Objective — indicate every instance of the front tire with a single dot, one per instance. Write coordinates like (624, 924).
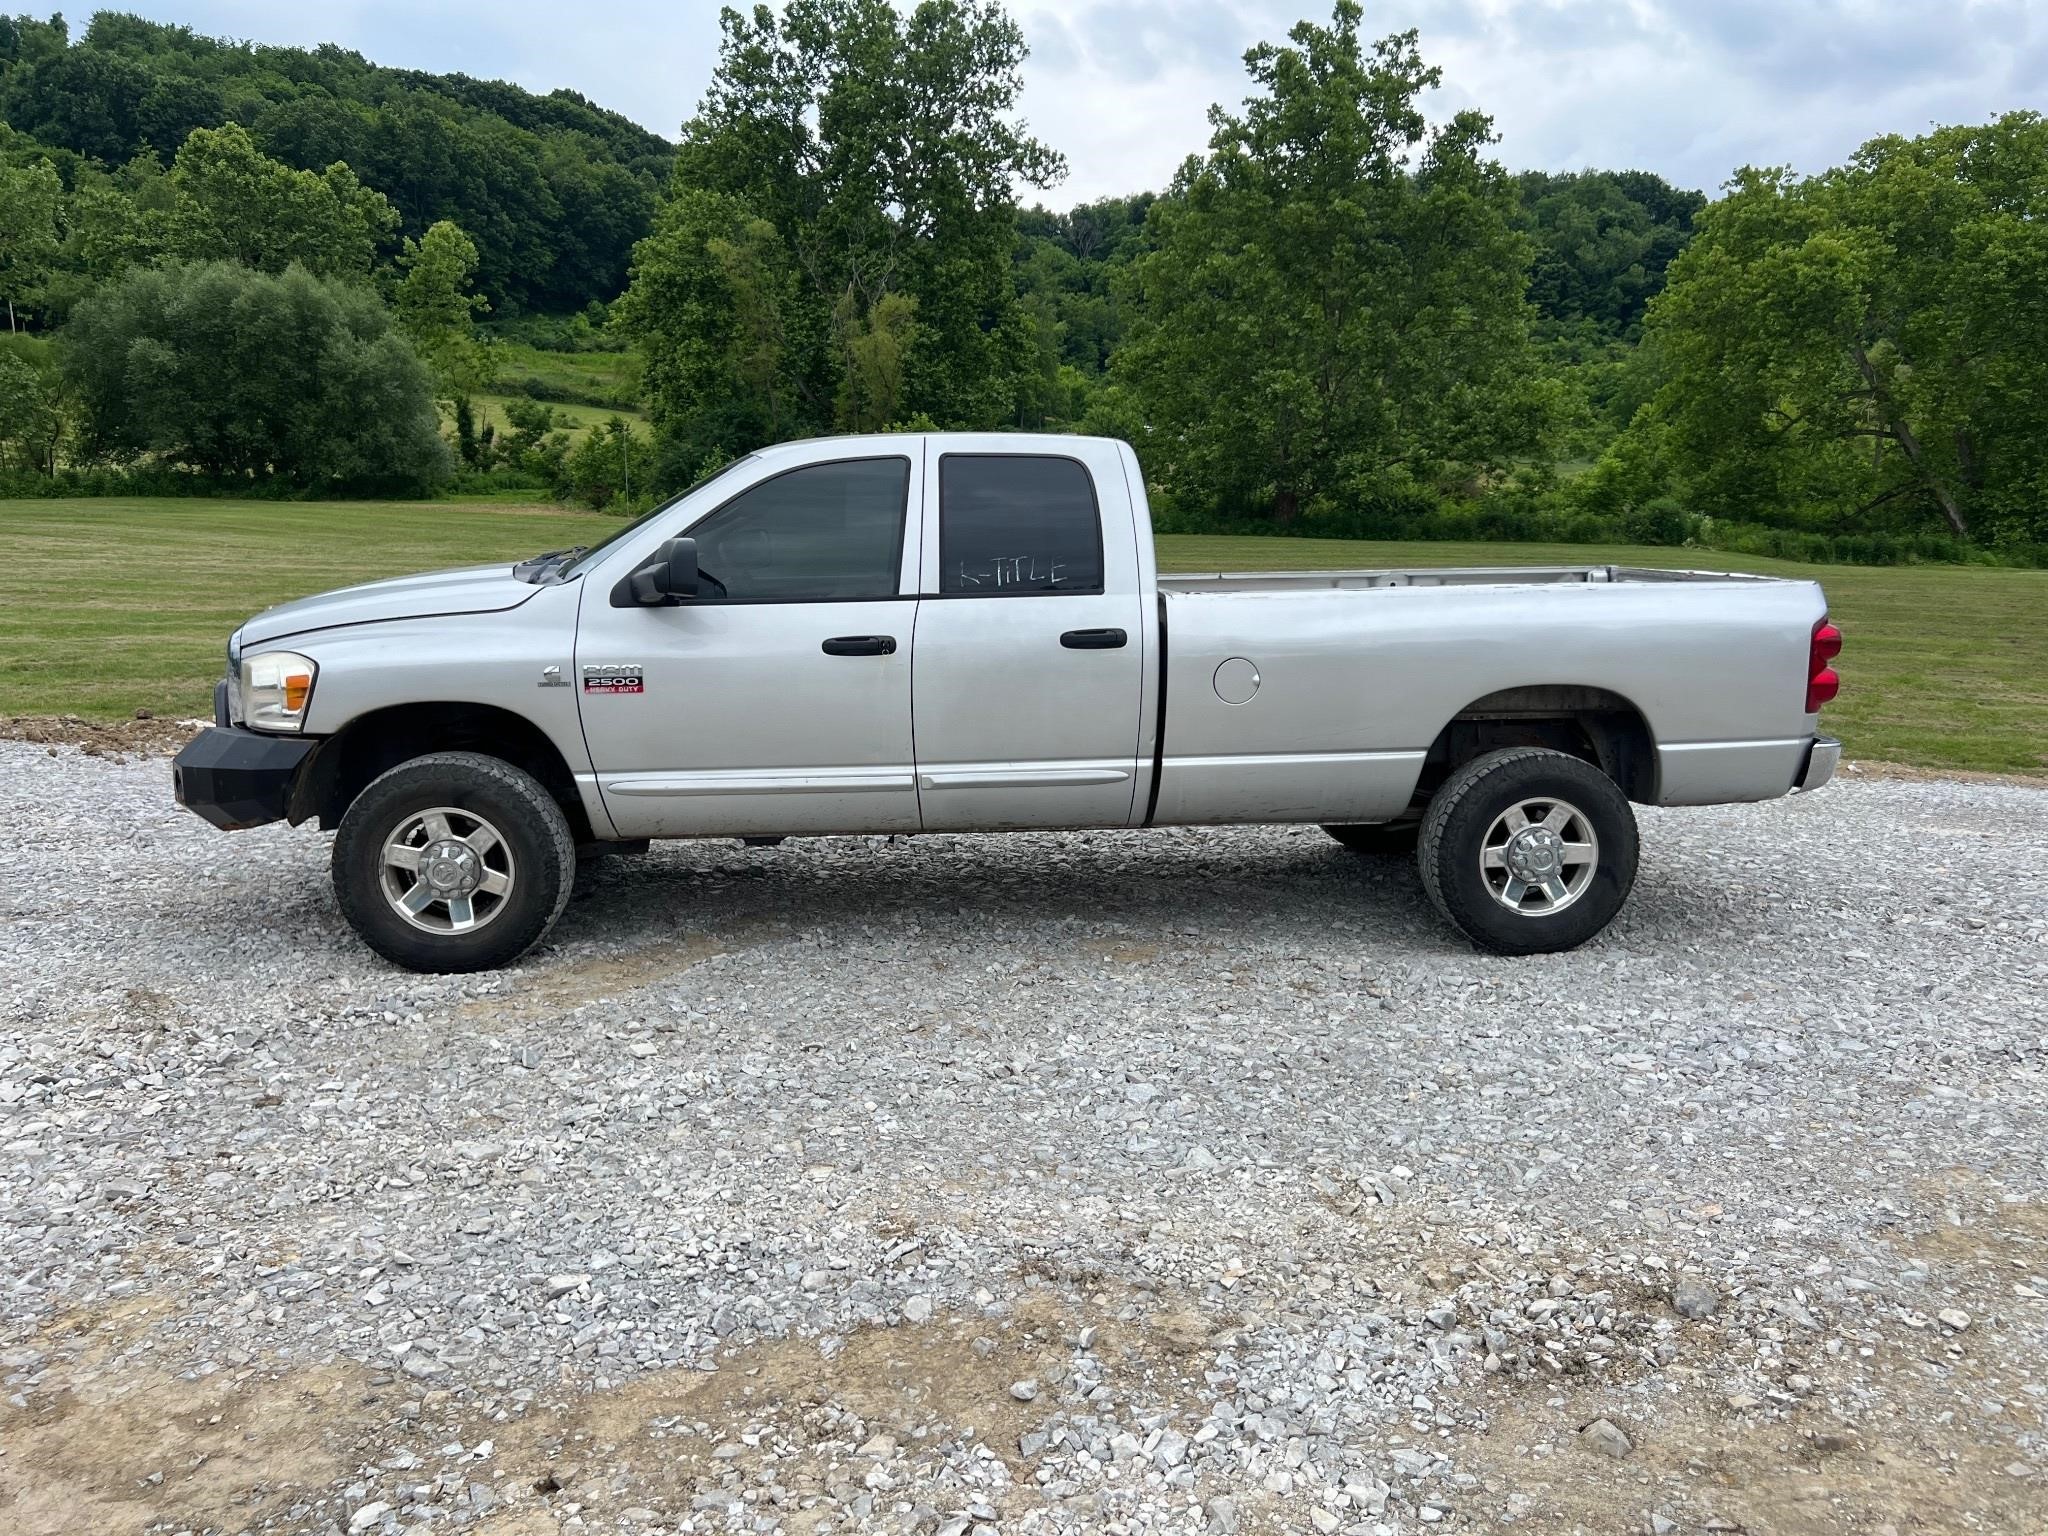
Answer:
(453, 862)
(1528, 851)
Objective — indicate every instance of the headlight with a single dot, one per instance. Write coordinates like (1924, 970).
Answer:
(276, 688)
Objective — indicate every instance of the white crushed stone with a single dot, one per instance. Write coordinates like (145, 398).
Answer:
(1240, 1077)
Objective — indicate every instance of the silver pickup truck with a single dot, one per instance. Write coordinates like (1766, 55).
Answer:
(967, 633)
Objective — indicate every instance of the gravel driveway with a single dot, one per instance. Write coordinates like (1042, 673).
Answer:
(1183, 1181)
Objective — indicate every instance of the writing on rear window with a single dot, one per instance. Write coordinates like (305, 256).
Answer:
(1006, 572)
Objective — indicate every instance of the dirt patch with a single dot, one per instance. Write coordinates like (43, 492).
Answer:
(146, 1448)
(555, 986)
(147, 736)
(1925, 1430)
(109, 1447)
(1120, 952)
(1978, 1231)
(1703, 1464)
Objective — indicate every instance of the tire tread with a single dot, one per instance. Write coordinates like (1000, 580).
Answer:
(1472, 778)
(549, 821)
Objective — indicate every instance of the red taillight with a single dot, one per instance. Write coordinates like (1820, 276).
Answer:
(1822, 682)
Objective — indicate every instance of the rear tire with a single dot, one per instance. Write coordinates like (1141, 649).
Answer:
(453, 862)
(1386, 839)
(1528, 851)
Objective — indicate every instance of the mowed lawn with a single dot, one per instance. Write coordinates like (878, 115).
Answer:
(107, 606)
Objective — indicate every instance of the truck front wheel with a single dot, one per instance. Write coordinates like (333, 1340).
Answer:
(1528, 851)
(453, 862)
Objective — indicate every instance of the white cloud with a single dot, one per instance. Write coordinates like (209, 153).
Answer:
(1688, 88)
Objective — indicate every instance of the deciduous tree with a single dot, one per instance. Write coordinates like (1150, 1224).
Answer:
(1869, 343)
(32, 414)
(1334, 309)
(29, 197)
(436, 308)
(236, 203)
(855, 167)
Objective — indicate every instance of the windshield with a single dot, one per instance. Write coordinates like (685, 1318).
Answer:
(597, 550)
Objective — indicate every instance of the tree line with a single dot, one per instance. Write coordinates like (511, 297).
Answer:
(553, 190)
(1339, 317)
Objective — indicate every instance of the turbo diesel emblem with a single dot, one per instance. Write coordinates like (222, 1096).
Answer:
(613, 677)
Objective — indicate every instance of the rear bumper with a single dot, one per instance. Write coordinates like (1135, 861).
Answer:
(238, 779)
(1821, 760)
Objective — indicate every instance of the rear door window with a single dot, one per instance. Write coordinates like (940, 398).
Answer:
(1017, 525)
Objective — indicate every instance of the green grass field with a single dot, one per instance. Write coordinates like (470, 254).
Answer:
(591, 376)
(108, 606)
(569, 417)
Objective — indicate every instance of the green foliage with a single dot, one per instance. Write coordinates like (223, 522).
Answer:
(553, 190)
(877, 348)
(1603, 242)
(837, 239)
(1319, 322)
(534, 446)
(235, 203)
(611, 467)
(29, 196)
(713, 301)
(1336, 318)
(33, 415)
(1869, 343)
(436, 309)
(1066, 266)
(229, 371)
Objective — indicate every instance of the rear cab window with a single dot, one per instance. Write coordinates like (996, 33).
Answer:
(1017, 525)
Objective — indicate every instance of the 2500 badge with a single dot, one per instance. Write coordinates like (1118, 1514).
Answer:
(612, 677)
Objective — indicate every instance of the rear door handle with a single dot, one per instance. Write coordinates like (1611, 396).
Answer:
(861, 645)
(1094, 639)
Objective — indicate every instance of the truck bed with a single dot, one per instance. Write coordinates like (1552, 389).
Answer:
(1437, 576)
(1316, 695)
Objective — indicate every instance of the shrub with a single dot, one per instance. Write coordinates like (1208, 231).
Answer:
(611, 465)
(232, 372)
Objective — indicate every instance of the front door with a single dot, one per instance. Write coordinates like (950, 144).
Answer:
(778, 700)
(1030, 650)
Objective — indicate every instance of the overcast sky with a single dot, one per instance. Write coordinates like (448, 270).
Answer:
(1688, 88)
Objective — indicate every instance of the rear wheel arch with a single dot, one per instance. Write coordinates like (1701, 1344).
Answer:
(349, 761)
(1597, 725)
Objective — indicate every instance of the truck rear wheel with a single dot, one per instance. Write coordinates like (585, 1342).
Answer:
(1389, 839)
(453, 862)
(1528, 851)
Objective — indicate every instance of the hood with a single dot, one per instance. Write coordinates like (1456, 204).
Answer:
(473, 589)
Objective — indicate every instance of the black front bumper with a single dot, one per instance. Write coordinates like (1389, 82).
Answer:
(238, 779)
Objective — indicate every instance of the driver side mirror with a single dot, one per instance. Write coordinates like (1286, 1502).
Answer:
(670, 577)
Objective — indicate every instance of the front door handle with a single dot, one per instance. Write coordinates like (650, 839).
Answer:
(861, 645)
(1094, 639)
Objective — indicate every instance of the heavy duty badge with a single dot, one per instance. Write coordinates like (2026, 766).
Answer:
(613, 677)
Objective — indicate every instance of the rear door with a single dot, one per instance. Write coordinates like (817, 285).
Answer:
(1029, 660)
